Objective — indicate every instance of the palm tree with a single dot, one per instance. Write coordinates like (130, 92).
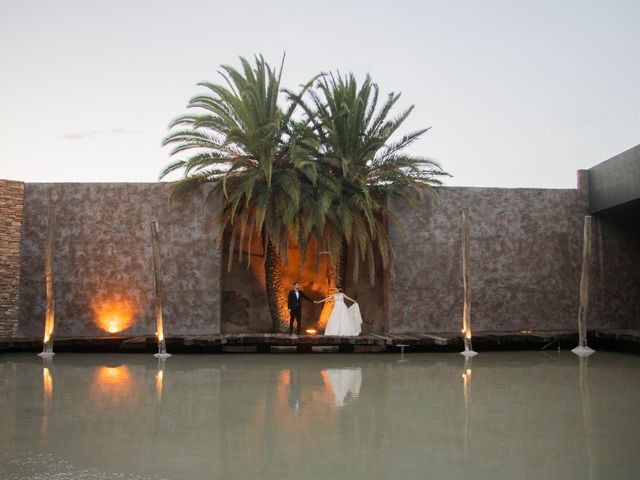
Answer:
(243, 147)
(359, 164)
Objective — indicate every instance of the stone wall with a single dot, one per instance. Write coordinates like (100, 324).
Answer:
(103, 268)
(11, 205)
(526, 254)
(526, 247)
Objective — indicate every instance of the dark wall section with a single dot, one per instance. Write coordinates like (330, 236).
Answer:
(617, 287)
(526, 247)
(103, 266)
(614, 191)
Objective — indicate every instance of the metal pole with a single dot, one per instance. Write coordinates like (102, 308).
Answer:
(49, 318)
(466, 311)
(162, 348)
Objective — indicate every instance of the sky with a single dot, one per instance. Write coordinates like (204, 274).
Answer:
(517, 93)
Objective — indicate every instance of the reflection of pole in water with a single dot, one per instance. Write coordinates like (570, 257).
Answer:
(586, 411)
(159, 378)
(159, 386)
(466, 385)
(47, 389)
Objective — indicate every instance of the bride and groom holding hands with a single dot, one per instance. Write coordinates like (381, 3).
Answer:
(344, 321)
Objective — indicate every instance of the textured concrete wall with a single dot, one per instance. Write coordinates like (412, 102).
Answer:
(526, 247)
(103, 266)
(11, 203)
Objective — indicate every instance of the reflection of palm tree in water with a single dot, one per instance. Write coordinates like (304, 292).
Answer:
(294, 390)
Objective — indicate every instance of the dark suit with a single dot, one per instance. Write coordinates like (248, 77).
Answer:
(295, 308)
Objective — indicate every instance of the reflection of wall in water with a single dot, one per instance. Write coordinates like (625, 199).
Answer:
(235, 415)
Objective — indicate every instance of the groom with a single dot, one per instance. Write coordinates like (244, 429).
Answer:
(295, 306)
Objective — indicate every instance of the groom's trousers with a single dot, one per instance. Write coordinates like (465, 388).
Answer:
(295, 314)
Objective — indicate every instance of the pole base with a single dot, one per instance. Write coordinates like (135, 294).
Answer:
(583, 351)
(469, 353)
(162, 355)
(46, 354)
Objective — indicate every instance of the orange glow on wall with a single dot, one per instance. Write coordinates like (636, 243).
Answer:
(114, 314)
(315, 283)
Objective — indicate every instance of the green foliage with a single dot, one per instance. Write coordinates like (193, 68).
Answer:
(359, 165)
(318, 170)
(241, 144)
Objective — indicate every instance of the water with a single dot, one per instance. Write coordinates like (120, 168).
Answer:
(505, 415)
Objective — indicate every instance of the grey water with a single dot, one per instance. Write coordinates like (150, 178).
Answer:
(503, 415)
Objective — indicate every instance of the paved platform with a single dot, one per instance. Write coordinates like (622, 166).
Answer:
(628, 340)
(623, 340)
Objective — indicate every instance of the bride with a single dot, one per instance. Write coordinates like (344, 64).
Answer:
(343, 321)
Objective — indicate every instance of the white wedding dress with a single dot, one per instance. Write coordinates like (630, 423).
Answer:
(343, 321)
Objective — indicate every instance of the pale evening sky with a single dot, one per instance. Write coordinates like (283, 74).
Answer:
(518, 93)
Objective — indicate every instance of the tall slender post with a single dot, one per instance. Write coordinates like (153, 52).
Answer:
(162, 348)
(49, 317)
(582, 349)
(466, 312)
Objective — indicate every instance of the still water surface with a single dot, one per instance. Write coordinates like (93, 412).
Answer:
(520, 415)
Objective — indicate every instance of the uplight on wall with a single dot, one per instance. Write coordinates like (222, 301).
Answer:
(114, 314)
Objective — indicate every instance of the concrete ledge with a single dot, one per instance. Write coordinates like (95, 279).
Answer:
(620, 340)
(624, 340)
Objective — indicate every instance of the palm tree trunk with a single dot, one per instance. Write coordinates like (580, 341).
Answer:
(273, 284)
(341, 267)
(336, 277)
(338, 273)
